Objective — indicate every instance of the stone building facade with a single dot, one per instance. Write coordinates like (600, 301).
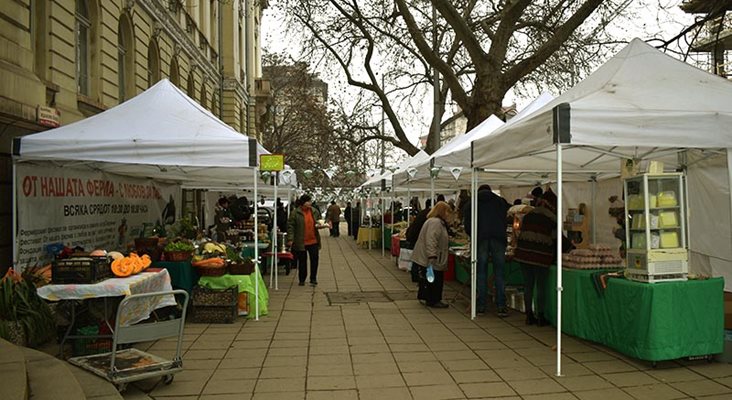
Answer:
(64, 60)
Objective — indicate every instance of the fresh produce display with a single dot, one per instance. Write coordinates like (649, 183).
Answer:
(115, 255)
(130, 265)
(213, 262)
(597, 256)
(179, 246)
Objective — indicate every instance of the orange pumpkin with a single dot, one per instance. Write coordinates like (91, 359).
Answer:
(122, 267)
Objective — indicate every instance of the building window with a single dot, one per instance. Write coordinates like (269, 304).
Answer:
(39, 29)
(191, 86)
(153, 63)
(203, 95)
(125, 59)
(215, 105)
(174, 72)
(83, 47)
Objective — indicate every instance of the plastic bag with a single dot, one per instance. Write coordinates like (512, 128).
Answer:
(430, 274)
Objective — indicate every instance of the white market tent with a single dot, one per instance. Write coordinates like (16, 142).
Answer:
(161, 134)
(640, 105)
(456, 154)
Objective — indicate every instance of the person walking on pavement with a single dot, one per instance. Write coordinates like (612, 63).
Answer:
(347, 216)
(304, 239)
(356, 220)
(492, 210)
(431, 250)
(333, 214)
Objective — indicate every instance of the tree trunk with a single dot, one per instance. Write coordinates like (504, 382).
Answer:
(487, 99)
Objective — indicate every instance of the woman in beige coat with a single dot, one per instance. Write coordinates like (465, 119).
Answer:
(431, 249)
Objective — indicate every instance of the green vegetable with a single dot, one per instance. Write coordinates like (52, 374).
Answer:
(179, 246)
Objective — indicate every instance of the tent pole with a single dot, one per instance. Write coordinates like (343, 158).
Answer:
(275, 249)
(409, 204)
(593, 211)
(256, 247)
(383, 245)
(371, 217)
(15, 217)
(729, 173)
(393, 219)
(432, 190)
(473, 239)
(559, 258)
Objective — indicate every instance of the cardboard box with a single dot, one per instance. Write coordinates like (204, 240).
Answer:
(727, 310)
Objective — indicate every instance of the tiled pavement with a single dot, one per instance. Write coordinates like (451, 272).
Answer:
(308, 349)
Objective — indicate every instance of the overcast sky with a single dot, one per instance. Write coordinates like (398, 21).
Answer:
(657, 18)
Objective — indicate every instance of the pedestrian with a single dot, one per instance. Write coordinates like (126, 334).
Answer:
(491, 220)
(281, 216)
(347, 216)
(431, 250)
(333, 215)
(356, 220)
(304, 239)
(536, 252)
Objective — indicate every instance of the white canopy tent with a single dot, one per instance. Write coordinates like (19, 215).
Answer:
(161, 134)
(640, 105)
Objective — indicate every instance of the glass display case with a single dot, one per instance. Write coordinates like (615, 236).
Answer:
(655, 227)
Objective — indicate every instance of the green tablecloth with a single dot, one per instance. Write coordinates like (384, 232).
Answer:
(245, 283)
(654, 322)
(182, 274)
(386, 239)
(512, 273)
(248, 250)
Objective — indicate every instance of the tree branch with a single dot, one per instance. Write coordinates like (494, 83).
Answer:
(499, 46)
(458, 93)
(462, 31)
(552, 44)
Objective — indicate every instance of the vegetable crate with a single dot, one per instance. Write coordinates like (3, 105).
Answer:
(212, 306)
(81, 270)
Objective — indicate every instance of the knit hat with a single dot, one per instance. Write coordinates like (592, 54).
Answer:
(549, 200)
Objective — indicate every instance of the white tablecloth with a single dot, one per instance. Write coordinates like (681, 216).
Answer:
(144, 282)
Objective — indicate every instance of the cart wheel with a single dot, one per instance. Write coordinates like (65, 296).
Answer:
(168, 379)
(121, 387)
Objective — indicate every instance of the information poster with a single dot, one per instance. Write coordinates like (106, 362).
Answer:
(93, 210)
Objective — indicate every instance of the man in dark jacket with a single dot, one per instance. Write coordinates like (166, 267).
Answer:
(413, 233)
(347, 216)
(492, 210)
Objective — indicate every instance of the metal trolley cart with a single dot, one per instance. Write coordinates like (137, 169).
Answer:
(130, 364)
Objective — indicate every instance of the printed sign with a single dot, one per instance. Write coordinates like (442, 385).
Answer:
(93, 210)
(271, 162)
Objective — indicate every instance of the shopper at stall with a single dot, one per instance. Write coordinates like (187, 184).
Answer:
(431, 250)
(536, 251)
(413, 233)
(333, 215)
(223, 219)
(304, 240)
(491, 239)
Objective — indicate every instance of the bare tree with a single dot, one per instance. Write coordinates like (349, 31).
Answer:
(484, 49)
(299, 124)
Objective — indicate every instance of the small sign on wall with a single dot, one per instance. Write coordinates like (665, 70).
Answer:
(48, 116)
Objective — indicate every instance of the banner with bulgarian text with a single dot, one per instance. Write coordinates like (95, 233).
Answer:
(84, 208)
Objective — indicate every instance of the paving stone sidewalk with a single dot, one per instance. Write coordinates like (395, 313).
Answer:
(381, 344)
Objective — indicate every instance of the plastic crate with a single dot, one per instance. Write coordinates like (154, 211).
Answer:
(81, 270)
